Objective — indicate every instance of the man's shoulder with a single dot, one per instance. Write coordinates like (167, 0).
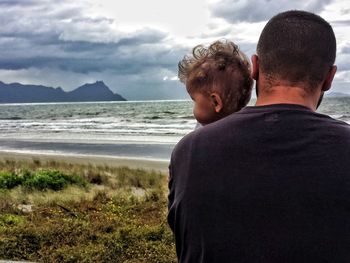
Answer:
(334, 125)
(204, 135)
(186, 142)
(212, 129)
(252, 119)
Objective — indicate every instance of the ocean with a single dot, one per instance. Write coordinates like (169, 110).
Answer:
(135, 129)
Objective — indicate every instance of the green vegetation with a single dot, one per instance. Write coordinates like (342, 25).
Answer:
(59, 212)
(39, 180)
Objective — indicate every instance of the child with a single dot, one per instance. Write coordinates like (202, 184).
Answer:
(218, 80)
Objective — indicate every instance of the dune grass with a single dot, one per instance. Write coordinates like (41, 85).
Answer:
(61, 212)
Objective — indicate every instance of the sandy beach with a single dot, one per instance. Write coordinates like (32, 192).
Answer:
(158, 165)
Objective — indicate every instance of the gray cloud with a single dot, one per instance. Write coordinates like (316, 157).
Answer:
(345, 22)
(58, 44)
(58, 37)
(342, 62)
(261, 10)
(18, 2)
(346, 49)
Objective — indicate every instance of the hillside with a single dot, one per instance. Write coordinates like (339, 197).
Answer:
(19, 93)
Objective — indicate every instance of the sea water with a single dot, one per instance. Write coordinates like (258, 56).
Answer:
(140, 129)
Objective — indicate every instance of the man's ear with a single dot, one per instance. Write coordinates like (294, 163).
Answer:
(329, 78)
(216, 102)
(255, 67)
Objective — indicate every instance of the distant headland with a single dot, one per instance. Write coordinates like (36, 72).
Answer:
(20, 93)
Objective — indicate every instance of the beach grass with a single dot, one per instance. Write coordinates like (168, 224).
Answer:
(60, 212)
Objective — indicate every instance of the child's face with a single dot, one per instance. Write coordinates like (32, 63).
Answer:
(204, 110)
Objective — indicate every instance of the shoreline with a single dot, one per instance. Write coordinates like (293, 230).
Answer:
(136, 163)
(121, 151)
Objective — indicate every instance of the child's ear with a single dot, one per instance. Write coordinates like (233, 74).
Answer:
(216, 102)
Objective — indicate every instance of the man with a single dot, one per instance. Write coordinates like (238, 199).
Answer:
(270, 183)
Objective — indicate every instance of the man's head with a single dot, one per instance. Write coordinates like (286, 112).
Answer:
(296, 49)
(217, 79)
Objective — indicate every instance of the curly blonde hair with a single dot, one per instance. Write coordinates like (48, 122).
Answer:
(220, 68)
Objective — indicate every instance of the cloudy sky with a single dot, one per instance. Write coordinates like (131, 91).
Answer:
(134, 45)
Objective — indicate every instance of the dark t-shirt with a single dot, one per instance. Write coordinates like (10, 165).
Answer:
(267, 184)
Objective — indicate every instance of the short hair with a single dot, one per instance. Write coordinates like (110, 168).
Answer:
(297, 47)
(220, 68)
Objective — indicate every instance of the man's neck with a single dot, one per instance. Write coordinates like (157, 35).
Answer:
(287, 95)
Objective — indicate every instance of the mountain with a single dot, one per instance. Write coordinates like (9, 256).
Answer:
(336, 95)
(90, 92)
(18, 93)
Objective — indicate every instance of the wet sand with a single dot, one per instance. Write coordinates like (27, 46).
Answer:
(148, 164)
